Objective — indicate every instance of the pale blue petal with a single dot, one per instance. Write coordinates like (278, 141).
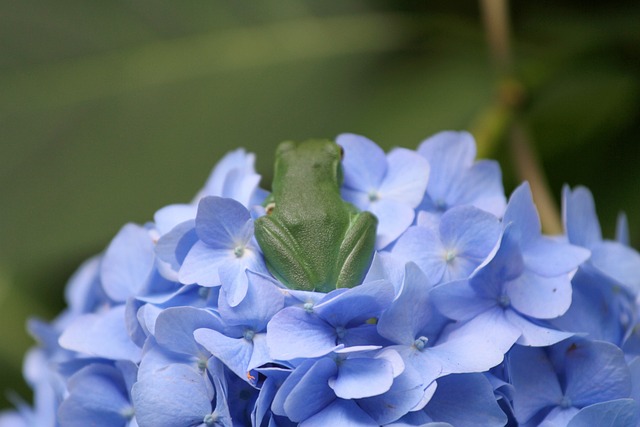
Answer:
(580, 218)
(202, 264)
(263, 300)
(470, 232)
(128, 262)
(260, 355)
(294, 333)
(462, 400)
(364, 163)
(355, 372)
(449, 154)
(616, 413)
(619, 262)
(532, 334)
(540, 297)
(548, 257)
(424, 247)
(406, 178)
(622, 229)
(393, 219)
(481, 186)
(175, 325)
(103, 335)
(174, 246)
(235, 353)
(174, 396)
(535, 381)
(223, 223)
(358, 198)
(410, 312)
(170, 216)
(459, 301)
(341, 413)
(522, 215)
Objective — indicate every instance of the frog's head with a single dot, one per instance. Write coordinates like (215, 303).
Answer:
(317, 159)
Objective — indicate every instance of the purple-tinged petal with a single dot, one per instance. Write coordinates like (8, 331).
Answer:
(580, 218)
(311, 393)
(353, 373)
(540, 297)
(127, 263)
(522, 215)
(462, 400)
(535, 381)
(595, 371)
(615, 413)
(341, 413)
(406, 178)
(223, 223)
(364, 163)
(104, 335)
(294, 333)
(393, 219)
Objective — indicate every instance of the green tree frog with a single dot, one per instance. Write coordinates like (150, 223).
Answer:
(311, 238)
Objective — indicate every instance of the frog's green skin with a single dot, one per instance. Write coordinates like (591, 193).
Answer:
(312, 239)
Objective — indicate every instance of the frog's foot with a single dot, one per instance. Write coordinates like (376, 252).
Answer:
(356, 252)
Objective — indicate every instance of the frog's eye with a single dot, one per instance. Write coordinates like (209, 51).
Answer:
(341, 152)
(269, 208)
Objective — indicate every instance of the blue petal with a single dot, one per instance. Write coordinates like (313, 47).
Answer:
(174, 396)
(459, 301)
(540, 297)
(341, 413)
(174, 246)
(535, 381)
(580, 218)
(223, 223)
(104, 335)
(522, 215)
(410, 312)
(175, 326)
(97, 397)
(619, 262)
(311, 394)
(234, 353)
(202, 264)
(533, 334)
(393, 219)
(449, 154)
(462, 400)
(364, 163)
(596, 371)
(170, 216)
(622, 229)
(424, 247)
(481, 186)
(616, 413)
(406, 177)
(127, 263)
(294, 333)
(355, 372)
(548, 257)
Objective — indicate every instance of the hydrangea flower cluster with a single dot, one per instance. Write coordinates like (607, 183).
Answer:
(467, 316)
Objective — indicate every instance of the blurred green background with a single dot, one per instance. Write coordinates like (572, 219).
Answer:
(110, 110)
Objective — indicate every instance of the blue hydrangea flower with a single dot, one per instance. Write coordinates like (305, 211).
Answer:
(455, 179)
(390, 186)
(225, 249)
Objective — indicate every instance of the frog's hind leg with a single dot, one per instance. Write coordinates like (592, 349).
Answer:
(356, 252)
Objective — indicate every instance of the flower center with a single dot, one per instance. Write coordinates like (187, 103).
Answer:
(238, 251)
(450, 255)
(308, 307)
(421, 343)
(249, 334)
(565, 402)
(373, 196)
(210, 419)
(341, 331)
(504, 301)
